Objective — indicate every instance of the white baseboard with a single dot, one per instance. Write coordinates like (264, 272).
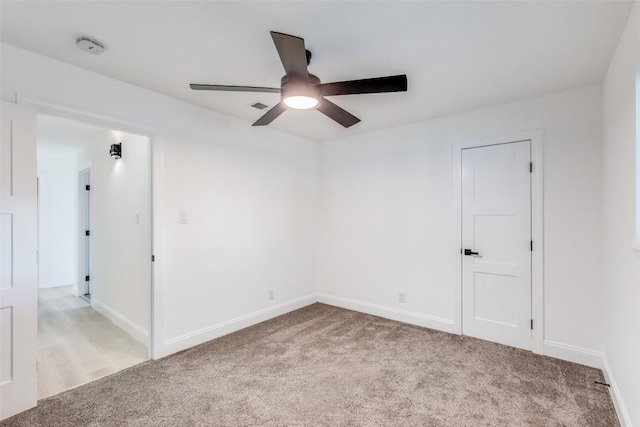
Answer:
(618, 403)
(573, 354)
(54, 285)
(136, 331)
(173, 345)
(405, 316)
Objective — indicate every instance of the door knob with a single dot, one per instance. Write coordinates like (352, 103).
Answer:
(469, 252)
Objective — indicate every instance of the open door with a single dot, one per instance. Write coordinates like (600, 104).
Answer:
(18, 260)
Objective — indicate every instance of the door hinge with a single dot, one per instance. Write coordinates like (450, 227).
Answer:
(532, 324)
(532, 246)
(87, 233)
(530, 167)
(87, 187)
(153, 258)
(86, 278)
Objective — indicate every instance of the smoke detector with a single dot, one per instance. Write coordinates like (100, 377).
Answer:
(90, 45)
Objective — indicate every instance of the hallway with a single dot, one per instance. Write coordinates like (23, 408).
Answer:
(76, 344)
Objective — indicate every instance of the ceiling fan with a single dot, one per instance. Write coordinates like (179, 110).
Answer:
(301, 90)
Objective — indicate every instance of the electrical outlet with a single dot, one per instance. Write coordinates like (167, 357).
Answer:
(272, 295)
(402, 297)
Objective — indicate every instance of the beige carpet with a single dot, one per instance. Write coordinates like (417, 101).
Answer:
(325, 366)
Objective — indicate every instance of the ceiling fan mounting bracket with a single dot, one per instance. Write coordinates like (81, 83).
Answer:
(287, 79)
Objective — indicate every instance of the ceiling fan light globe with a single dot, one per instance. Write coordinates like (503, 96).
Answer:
(301, 102)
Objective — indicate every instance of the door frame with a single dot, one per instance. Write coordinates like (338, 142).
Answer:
(41, 190)
(59, 109)
(84, 210)
(537, 228)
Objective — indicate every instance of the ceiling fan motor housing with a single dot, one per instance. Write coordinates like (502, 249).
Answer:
(299, 86)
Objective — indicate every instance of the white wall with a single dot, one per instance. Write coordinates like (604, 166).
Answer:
(386, 216)
(385, 213)
(57, 216)
(621, 284)
(250, 194)
(120, 244)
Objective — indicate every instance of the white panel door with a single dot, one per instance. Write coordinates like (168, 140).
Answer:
(496, 242)
(18, 263)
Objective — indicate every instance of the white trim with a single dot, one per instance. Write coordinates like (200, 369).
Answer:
(537, 235)
(81, 215)
(80, 242)
(157, 349)
(405, 316)
(182, 342)
(41, 191)
(574, 354)
(457, 227)
(616, 397)
(537, 228)
(58, 109)
(85, 166)
(130, 327)
(636, 243)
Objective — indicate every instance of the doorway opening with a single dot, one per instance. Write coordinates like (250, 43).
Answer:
(94, 245)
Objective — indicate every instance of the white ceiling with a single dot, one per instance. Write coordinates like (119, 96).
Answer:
(59, 133)
(457, 55)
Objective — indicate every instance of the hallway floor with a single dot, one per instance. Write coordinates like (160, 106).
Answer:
(76, 344)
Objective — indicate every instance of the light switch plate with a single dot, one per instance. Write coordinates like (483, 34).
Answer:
(402, 297)
(184, 219)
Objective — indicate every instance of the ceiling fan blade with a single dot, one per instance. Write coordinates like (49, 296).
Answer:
(271, 115)
(196, 86)
(336, 113)
(374, 85)
(292, 54)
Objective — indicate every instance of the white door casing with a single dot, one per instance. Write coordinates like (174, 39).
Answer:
(158, 346)
(18, 263)
(84, 224)
(496, 223)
